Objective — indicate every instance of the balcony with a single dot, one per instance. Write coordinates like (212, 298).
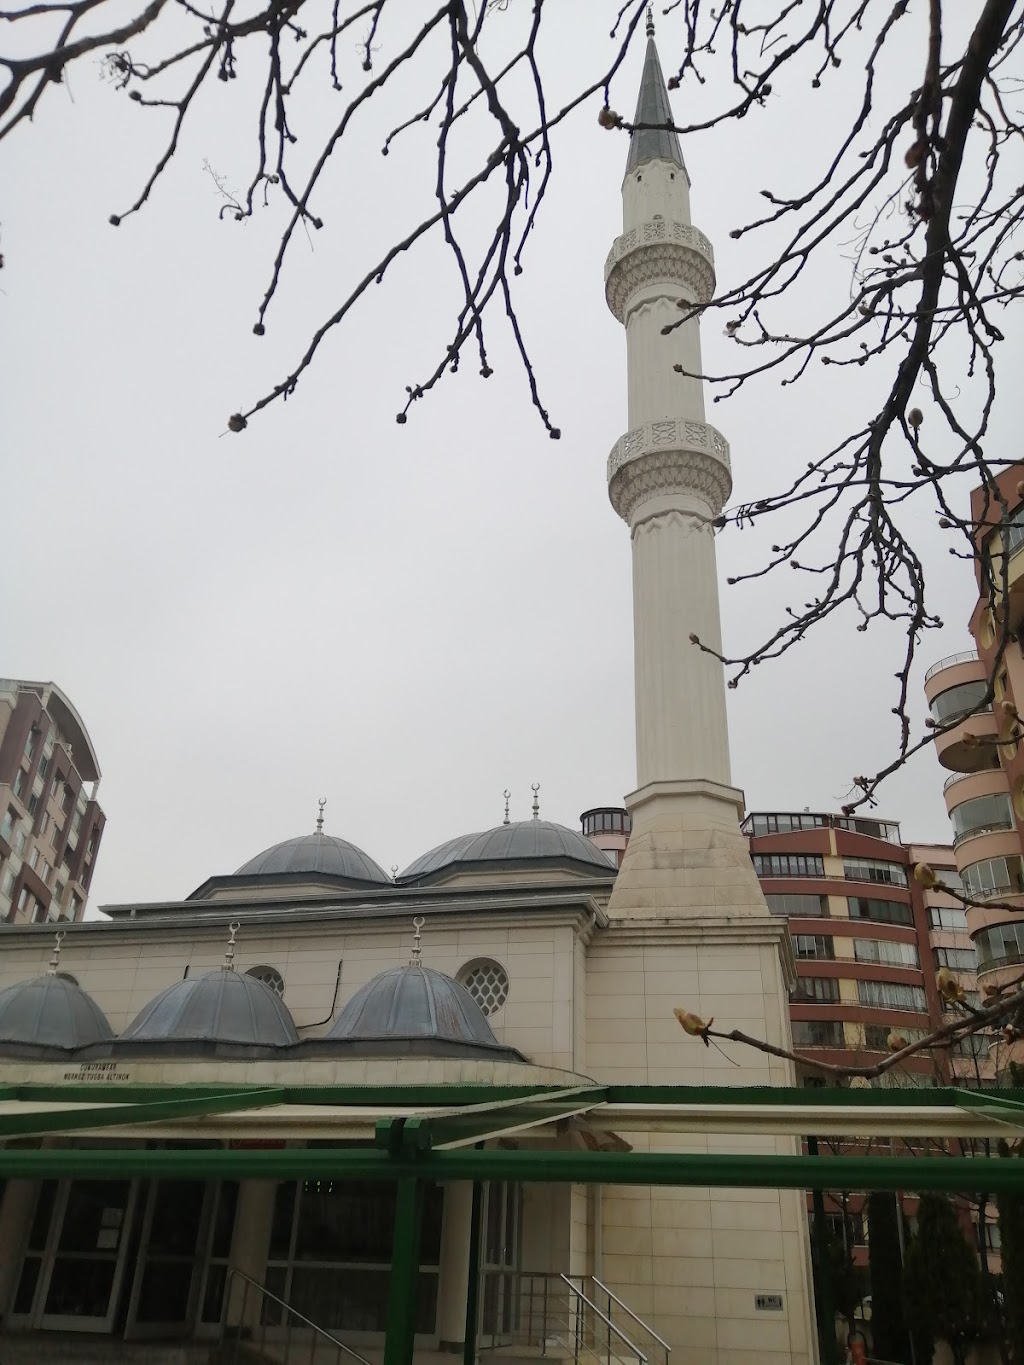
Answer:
(964, 657)
(961, 787)
(954, 748)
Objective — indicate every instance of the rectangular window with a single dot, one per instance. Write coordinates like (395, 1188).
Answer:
(33, 804)
(33, 860)
(871, 870)
(39, 915)
(818, 1033)
(23, 898)
(876, 1036)
(788, 865)
(890, 995)
(950, 878)
(76, 905)
(47, 872)
(943, 918)
(19, 782)
(20, 840)
(957, 959)
(818, 946)
(782, 824)
(882, 912)
(815, 990)
(974, 1045)
(994, 877)
(7, 885)
(54, 835)
(797, 906)
(847, 1229)
(883, 950)
(58, 892)
(8, 823)
(1000, 945)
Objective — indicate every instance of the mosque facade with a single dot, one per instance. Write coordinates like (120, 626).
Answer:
(521, 959)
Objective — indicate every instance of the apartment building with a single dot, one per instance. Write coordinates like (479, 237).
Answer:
(51, 823)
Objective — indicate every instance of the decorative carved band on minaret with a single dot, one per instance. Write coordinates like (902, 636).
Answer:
(686, 457)
(659, 250)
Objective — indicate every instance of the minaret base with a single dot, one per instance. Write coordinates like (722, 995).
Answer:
(687, 859)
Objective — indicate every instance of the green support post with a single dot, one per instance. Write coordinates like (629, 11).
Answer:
(473, 1283)
(822, 1287)
(405, 1273)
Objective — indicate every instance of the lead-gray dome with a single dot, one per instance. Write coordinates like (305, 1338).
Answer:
(50, 1013)
(415, 1010)
(522, 840)
(309, 853)
(224, 1008)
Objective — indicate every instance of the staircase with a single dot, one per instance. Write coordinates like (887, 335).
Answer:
(563, 1317)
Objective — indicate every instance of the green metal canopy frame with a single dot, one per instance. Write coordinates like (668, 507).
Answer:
(446, 1142)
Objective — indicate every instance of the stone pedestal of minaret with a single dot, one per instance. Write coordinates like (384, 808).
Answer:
(689, 925)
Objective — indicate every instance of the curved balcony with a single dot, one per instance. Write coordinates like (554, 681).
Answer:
(977, 846)
(981, 917)
(965, 656)
(955, 751)
(961, 787)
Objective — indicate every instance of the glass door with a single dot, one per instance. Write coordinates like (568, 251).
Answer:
(171, 1255)
(82, 1268)
(500, 1259)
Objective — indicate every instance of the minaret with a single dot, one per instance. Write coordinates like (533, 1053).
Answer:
(687, 923)
(669, 478)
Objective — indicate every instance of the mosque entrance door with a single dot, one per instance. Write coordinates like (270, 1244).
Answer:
(82, 1234)
(171, 1257)
(502, 1219)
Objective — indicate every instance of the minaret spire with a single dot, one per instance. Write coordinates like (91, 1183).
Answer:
(653, 138)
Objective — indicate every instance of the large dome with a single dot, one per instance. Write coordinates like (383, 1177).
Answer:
(223, 1008)
(49, 1012)
(315, 853)
(520, 841)
(415, 1010)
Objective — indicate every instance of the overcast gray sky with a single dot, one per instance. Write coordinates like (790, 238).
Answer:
(405, 620)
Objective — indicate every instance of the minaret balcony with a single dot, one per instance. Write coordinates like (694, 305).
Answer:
(667, 456)
(659, 250)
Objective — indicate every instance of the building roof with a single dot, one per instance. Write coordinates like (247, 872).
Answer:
(220, 1008)
(50, 1012)
(521, 840)
(414, 1009)
(322, 853)
(652, 107)
(68, 721)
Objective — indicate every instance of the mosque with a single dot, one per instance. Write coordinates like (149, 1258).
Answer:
(316, 1111)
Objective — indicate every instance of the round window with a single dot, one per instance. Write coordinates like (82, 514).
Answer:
(270, 976)
(487, 983)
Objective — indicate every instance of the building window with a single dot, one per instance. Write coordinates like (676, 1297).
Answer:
(949, 877)
(797, 906)
(487, 983)
(31, 740)
(782, 824)
(8, 824)
(809, 946)
(876, 1036)
(891, 995)
(19, 782)
(818, 1033)
(881, 912)
(23, 898)
(39, 914)
(788, 865)
(58, 892)
(7, 885)
(974, 1045)
(815, 990)
(947, 918)
(20, 840)
(874, 829)
(328, 1232)
(957, 959)
(994, 877)
(871, 870)
(999, 945)
(270, 976)
(980, 815)
(54, 835)
(962, 700)
(76, 905)
(885, 951)
(847, 1228)
(33, 859)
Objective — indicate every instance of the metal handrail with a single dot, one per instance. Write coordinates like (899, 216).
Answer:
(234, 1273)
(627, 1310)
(606, 1320)
(959, 839)
(965, 656)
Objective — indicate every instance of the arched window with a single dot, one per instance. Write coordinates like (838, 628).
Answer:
(487, 983)
(270, 976)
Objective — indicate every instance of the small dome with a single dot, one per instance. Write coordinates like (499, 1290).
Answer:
(415, 1010)
(523, 840)
(221, 1008)
(50, 1012)
(322, 853)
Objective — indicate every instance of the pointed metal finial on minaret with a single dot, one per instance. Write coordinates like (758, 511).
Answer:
(650, 21)
(320, 818)
(417, 925)
(535, 788)
(55, 956)
(507, 795)
(229, 951)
